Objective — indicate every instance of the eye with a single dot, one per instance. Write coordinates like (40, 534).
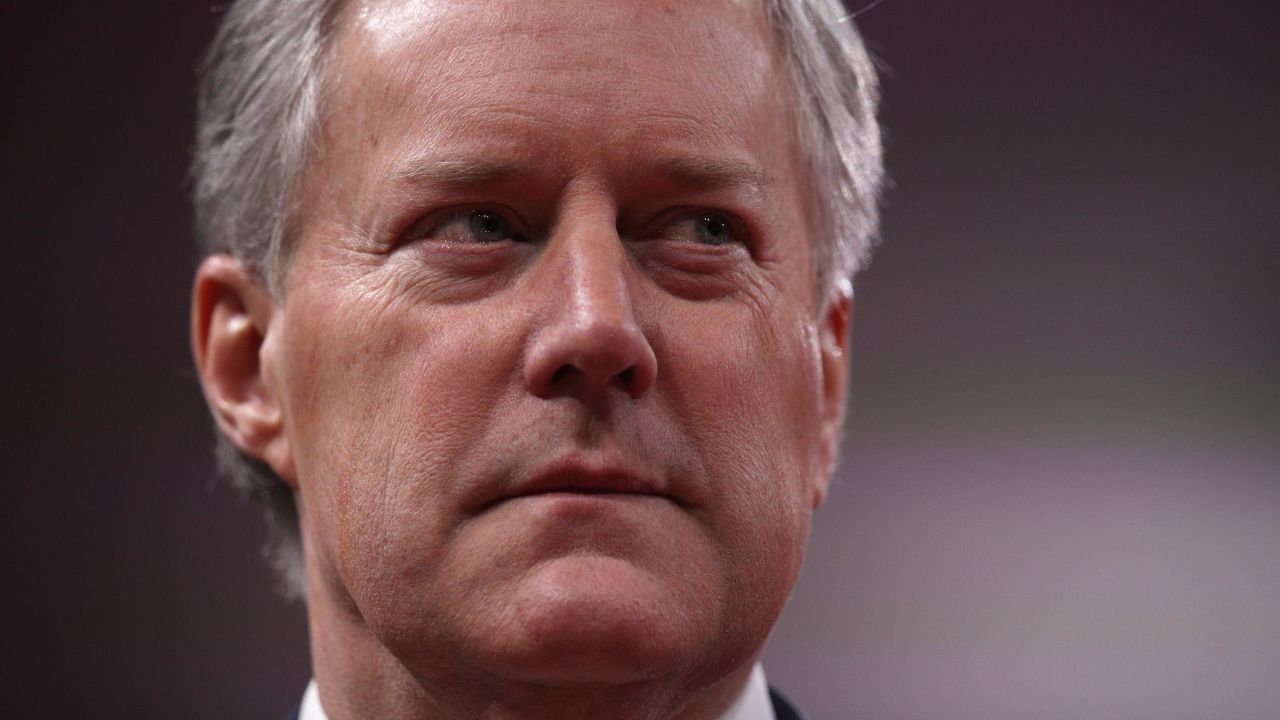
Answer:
(704, 228)
(481, 225)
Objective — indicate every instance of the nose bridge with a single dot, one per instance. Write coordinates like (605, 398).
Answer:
(596, 275)
(589, 339)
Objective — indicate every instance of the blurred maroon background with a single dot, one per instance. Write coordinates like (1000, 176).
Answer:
(1061, 489)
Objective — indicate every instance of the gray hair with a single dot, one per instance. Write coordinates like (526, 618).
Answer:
(258, 108)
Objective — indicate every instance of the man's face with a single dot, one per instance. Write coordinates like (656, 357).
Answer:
(552, 379)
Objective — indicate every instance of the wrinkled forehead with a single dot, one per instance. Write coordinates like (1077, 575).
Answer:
(636, 56)
(405, 77)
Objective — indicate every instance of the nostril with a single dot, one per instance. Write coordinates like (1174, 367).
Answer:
(558, 376)
(627, 377)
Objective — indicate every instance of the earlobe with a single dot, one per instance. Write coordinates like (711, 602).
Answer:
(232, 316)
(833, 339)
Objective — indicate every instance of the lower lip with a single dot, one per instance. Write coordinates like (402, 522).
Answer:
(569, 500)
(566, 494)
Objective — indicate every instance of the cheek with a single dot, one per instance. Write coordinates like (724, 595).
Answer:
(746, 387)
(746, 381)
(385, 400)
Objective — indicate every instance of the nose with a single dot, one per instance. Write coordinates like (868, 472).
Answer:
(588, 343)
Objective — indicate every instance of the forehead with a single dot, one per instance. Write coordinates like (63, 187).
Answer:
(613, 76)
(629, 37)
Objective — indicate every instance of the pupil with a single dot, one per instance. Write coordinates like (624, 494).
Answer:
(714, 230)
(489, 227)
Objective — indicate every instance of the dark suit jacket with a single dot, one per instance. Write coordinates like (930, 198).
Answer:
(782, 707)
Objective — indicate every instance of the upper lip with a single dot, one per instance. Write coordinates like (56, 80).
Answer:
(580, 475)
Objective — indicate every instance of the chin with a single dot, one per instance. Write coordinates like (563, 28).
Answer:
(600, 620)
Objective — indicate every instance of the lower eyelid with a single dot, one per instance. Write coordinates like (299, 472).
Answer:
(693, 257)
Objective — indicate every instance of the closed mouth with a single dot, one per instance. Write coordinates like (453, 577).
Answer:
(582, 479)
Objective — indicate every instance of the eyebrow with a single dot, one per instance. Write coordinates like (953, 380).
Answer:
(457, 173)
(701, 173)
(710, 173)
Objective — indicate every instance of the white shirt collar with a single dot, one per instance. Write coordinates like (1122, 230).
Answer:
(311, 709)
(752, 704)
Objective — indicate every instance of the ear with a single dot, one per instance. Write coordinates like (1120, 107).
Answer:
(833, 343)
(232, 320)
